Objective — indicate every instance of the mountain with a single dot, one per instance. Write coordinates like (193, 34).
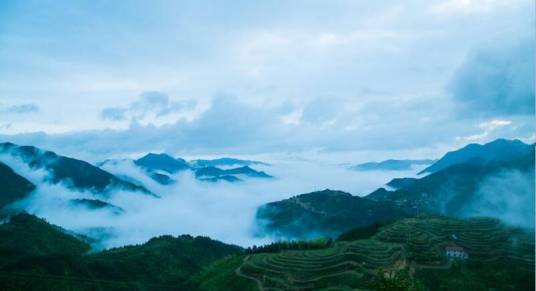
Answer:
(495, 151)
(12, 186)
(408, 254)
(162, 162)
(75, 173)
(399, 183)
(25, 235)
(96, 204)
(46, 257)
(390, 165)
(379, 194)
(214, 172)
(224, 162)
(226, 178)
(246, 170)
(321, 213)
(498, 188)
(162, 178)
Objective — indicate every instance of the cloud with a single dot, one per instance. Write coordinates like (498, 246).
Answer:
(508, 196)
(21, 109)
(496, 81)
(113, 113)
(184, 206)
(488, 128)
(371, 60)
(150, 105)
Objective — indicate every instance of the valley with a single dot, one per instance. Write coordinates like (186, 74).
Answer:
(321, 240)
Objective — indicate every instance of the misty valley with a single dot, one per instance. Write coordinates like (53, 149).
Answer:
(464, 221)
(302, 145)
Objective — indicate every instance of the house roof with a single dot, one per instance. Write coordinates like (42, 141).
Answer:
(454, 248)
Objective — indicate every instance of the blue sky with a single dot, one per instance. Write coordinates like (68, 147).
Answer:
(117, 77)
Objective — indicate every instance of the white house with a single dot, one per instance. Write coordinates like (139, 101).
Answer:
(456, 252)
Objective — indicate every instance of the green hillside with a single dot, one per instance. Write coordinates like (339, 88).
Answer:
(412, 246)
(35, 255)
(26, 236)
(12, 186)
(322, 213)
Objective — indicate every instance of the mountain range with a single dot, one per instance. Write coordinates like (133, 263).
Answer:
(499, 150)
(73, 173)
(465, 188)
(160, 166)
(404, 229)
(391, 165)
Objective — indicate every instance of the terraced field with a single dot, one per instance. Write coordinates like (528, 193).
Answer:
(345, 262)
(407, 244)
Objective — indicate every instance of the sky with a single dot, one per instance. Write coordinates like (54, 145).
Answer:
(98, 79)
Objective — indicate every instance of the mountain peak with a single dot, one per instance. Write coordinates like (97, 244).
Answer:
(498, 150)
(163, 162)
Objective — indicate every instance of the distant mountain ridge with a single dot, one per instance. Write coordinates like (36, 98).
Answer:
(212, 172)
(391, 165)
(76, 174)
(455, 191)
(160, 166)
(495, 151)
(224, 162)
(163, 162)
(460, 189)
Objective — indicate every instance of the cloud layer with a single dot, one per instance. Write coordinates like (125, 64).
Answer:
(183, 207)
(261, 77)
(497, 80)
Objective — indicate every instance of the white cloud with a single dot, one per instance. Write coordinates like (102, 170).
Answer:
(384, 66)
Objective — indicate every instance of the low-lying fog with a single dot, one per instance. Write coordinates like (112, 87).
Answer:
(223, 211)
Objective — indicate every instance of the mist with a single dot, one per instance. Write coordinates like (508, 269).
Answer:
(221, 210)
(508, 196)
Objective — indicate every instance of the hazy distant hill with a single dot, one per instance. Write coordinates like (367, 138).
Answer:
(319, 213)
(497, 187)
(12, 186)
(502, 187)
(163, 162)
(160, 166)
(75, 173)
(391, 165)
(495, 151)
(93, 204)
(230, 175)
(228, 162)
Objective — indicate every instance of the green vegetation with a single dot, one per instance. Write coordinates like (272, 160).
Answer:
(26, 236)
(408, 254)
(364, 232)
(322, 213)
(405, 255)
(37, 255)
(275, 247)
(12, 186)
(222, 276)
